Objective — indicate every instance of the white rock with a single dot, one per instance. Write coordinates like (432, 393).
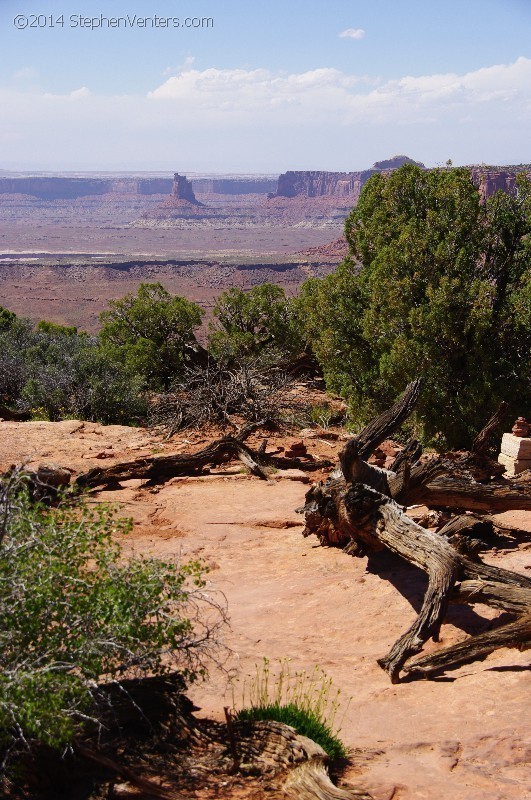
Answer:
(514, 466)
(516, 446)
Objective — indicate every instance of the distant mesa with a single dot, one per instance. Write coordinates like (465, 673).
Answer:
(305, 193)
(395, 162)
(182, 193)
(338, 185)
(235, 186)
(68, 188)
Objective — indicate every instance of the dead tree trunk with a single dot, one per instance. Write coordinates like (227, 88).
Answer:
(459, 492)
(13, 416)
(360, 512)
(159, 467)
(481, 442)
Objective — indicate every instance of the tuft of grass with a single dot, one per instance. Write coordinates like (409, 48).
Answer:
(305, 701)
(320, 414)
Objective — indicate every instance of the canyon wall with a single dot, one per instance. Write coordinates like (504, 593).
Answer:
(234, 185)
(334, 184)
(491, 181)
(348, 185)
(322, 184)
(344, 188)
(62, 188)
(66, 188)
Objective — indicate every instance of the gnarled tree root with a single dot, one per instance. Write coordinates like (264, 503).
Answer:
(358, 511)
(182, 755)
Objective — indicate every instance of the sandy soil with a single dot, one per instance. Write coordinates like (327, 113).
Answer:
(464, 735)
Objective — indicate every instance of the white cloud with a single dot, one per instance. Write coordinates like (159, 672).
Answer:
(352, 33)
(82, 92)
(185, 66)
(259, 120)
(236, 91)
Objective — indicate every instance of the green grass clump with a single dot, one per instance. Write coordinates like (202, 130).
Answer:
(306, 702)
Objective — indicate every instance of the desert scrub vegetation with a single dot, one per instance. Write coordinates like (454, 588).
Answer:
(437, 283)
(259, 322)
(305, 701)
(76, 613)
(149, 332)
(55, 372)
(221, 395)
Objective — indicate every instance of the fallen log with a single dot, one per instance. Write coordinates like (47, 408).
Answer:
(14, 416)
(455, 491)
(161, 467)
(358, 510)
(468, 524)
(515, 634)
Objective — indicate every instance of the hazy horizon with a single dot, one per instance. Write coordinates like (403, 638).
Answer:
(102, 173)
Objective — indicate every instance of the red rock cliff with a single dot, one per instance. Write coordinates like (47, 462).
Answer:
(182, 192)
(334, 184)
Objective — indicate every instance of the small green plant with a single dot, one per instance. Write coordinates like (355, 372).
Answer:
(320, 414)
(306, 701)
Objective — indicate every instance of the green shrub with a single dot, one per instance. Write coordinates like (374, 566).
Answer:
(320, 414)
(442, 291)
(259, 322)
(149, 332)
(306, 702)
(55, 372)
(74, 612)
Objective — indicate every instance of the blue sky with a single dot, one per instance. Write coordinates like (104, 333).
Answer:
(270, 86)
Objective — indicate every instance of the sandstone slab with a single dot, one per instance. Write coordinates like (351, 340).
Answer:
(514, 466)
(516, 446)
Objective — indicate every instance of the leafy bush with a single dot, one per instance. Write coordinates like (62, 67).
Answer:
(442, 291)
(74, 612)
(56, 372)
(149, 331)
(257, 322)
(306, 702)
(15, 338)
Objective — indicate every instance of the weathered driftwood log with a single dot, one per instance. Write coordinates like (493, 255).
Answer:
(451, 489)
(13, 416)
(161, 467)
(516, 634)
(358, 511)
(409, 455)
(467, 533)
(469, 524)
(481, 442)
